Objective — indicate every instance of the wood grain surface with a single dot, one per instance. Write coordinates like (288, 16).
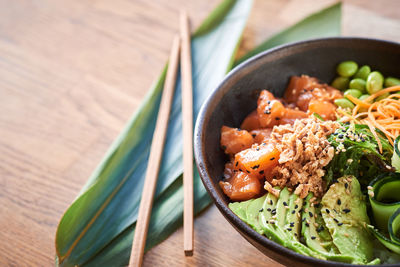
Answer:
(72, 73)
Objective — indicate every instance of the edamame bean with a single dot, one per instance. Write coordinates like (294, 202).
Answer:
(344, 103)
(391, 81)
(347, 68)
(354, 92)
(374, 82)
(358, 84)
(341, 83)
(363, 97)
(363, 72)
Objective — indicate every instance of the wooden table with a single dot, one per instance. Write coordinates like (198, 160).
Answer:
(72, 73)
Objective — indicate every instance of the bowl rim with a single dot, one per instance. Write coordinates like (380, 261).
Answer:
(199, 154)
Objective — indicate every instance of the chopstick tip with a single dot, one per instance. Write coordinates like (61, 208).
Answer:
(189, 253)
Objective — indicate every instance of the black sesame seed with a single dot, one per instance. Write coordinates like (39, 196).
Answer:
(340, 224)
(254, 135)
(327, 211)
(255, 167)
(307, 225)
(291, 224)
(277, 118)
(313, 237)
(319, 229)
(273, 212)
(340, 136)
(346, 185)
(261, 172)
(269, 209)
(285, 204)
(295, 234)
(317, 205)
(237, 163)
(267, 111)
(268, 102)
(346, 210)
(266, 222)
(240, 170)
(336, 221)
(310, 213)
(295, 207)
(263, 144)
(339, 201)
(270, 202)
(293, 211)
(261, 210)
(301, 210)
(303, 219)
(289, 229)
(258, 149)
(247, 171)
(272, 158)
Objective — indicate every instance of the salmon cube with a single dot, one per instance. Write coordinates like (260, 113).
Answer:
(323, 108)
(251, 122)
(261, 135)
(269, 110)
(297, 85)
(241, 186)
(257, 160)
(234, 140)
(291, 115)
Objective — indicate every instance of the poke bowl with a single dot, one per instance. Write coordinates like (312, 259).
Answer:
(323, 209)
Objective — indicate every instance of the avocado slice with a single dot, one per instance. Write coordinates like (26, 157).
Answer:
(274, 213)
(254, 209)
(293, 216)
(266, 221)
(282, 208)
(239, 208)
(345, 214)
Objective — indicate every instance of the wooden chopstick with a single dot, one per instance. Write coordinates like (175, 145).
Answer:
(157, 146)
(187, 116)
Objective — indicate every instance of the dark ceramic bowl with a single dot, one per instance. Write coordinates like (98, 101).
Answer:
(236, 97)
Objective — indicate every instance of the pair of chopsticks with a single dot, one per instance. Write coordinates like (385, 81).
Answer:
(157, 146)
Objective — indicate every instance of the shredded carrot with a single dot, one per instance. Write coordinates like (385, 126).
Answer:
(383, 115)
(358, 101)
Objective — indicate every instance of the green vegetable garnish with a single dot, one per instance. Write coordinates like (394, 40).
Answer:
(357, 154)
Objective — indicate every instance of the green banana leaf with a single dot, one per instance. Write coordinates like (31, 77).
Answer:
(109, 202)
(98, 227)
